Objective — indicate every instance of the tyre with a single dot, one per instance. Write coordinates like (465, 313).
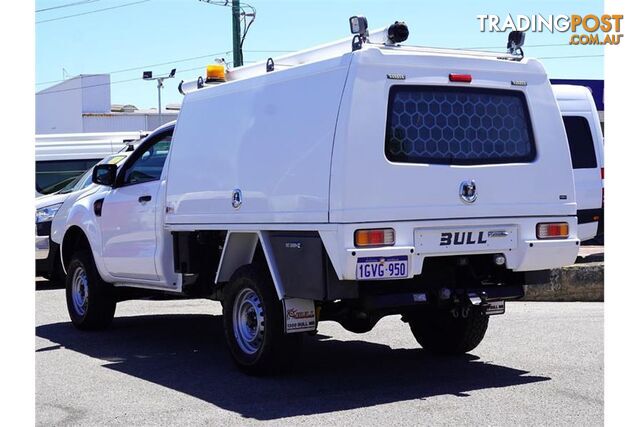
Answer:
(57, 276)
(439, 332)
(90, 300)
(254, 324)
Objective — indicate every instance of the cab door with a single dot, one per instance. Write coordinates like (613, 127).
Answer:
(129, 212)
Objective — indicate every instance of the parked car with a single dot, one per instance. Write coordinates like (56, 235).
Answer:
(586, 143)
(47, 207)
(61, 158)
(363, 179)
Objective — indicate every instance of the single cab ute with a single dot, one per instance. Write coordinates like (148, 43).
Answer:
(361, 179)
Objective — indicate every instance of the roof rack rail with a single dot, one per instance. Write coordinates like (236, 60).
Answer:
(387, 38)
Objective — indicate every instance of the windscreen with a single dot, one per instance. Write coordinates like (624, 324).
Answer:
(458, 126)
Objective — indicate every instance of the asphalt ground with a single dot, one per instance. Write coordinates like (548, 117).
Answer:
(165, 363)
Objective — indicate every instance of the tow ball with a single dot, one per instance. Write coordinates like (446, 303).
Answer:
(462, 308)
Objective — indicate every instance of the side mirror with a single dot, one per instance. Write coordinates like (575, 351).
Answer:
(104, 174)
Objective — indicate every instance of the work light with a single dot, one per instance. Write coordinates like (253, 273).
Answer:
(358, 25)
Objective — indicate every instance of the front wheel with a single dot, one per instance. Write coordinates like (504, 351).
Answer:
(439, 331)
(254, 324)
(90, 300)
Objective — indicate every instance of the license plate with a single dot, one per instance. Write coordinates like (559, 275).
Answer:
(467, 239)
(377, 268)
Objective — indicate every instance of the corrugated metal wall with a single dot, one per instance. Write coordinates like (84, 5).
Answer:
(124, 122)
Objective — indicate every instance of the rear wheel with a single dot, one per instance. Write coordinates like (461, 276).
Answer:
(439, 331)
(254, 324)
(90, 300)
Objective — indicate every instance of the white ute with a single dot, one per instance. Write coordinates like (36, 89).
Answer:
(348, 182)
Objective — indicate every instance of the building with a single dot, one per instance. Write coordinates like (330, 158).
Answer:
(82, 104)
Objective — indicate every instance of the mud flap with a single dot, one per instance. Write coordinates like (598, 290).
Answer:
(299, 315)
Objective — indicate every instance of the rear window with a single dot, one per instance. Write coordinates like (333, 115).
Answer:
(583, 155)
(458, 126)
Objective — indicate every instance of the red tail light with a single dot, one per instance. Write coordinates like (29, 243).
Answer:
(375, 237)
(552, 230)
(460, 78)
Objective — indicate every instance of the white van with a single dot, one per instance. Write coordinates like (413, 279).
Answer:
(60, 158)
(584, 133)
(347, 183)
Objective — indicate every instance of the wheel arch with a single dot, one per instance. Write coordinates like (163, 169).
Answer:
(73, 239)
(245, 247)
(297, 261)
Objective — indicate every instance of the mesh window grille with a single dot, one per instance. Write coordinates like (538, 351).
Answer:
(458, 126)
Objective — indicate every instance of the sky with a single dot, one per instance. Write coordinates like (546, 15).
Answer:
(159, 35)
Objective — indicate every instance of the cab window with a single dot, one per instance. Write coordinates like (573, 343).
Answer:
(148, 165)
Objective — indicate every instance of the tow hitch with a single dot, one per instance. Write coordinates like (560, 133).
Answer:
(472, 299)
(489, 307)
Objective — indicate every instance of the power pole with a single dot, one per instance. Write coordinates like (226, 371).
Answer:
(237, 49)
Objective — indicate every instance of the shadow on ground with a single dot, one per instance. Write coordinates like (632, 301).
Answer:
(47, 285)
(187, 353)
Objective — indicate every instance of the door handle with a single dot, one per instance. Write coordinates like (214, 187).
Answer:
(144, 199)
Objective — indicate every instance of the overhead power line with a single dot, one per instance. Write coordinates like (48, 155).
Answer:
(568, 57)
(202, 66)
(111, 83)
(504, 47)
(141, 67)
(92, 11)
(175, 61)
(78, 3)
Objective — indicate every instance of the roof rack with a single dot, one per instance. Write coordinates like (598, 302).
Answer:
(386, 38)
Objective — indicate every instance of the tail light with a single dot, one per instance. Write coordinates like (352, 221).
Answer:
(375, 237)
(460, 78)
(552, 230)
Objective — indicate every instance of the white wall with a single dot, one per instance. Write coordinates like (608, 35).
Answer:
(119, 122)
(59, 108)
(83, 104)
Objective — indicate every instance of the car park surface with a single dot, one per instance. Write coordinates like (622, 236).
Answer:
(165, 362)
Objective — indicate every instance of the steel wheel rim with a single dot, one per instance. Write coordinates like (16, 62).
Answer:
(248, 321)
(80, 291)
